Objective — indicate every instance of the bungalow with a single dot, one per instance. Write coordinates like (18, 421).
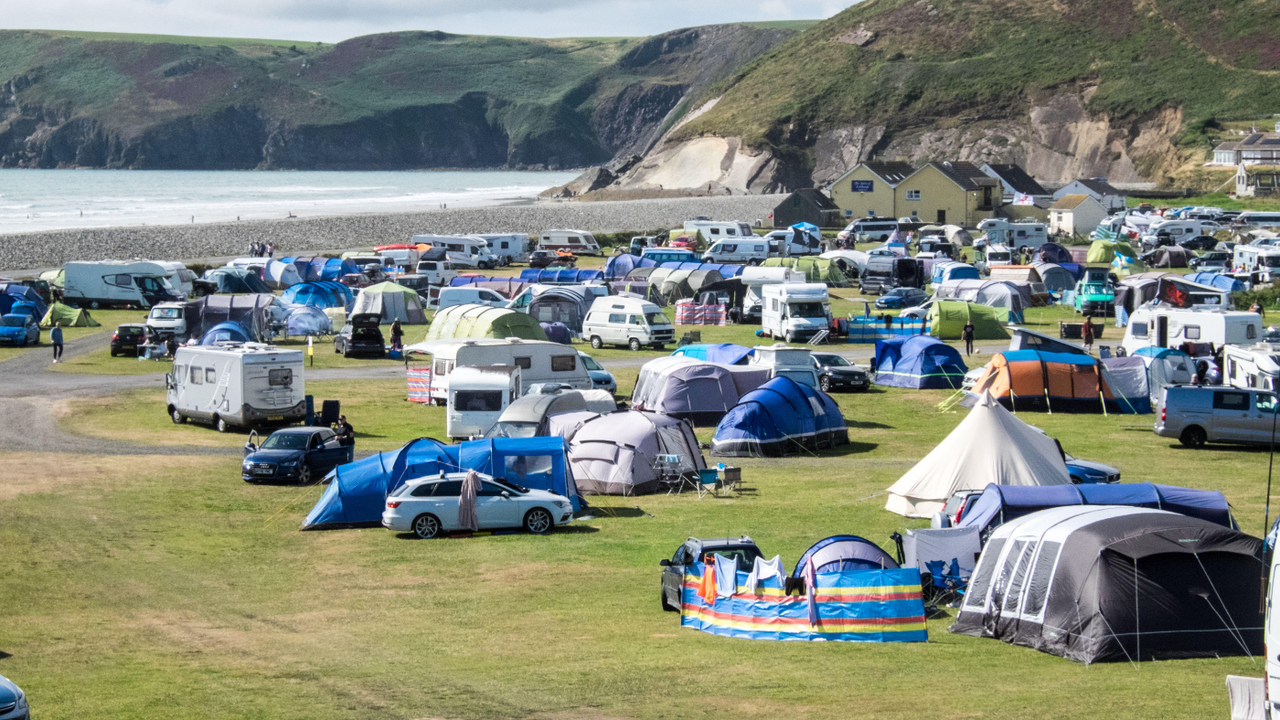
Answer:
(1097, 188)
(1256, 149)
(1075, 215)
(868, 189)
(1015, 182)
(949, 192)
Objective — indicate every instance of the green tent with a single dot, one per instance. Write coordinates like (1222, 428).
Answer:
(947, 319)
(482, 321)
(815, 269)
(68, 316)
(1104, 251)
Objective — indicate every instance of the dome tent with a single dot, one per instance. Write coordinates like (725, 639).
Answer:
(844, 553)
(281, 275)
(307, 320)
(918, 361)
(322, 294)
(697, 391)
(1051, 252)
(392, 302)
(614, 454)
(1055, 277)
(781, 417)
(229, 331)
(68, 316)
(557, 332)
(947, 319)
(482, 321)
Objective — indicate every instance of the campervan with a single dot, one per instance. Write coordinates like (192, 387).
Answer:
(750, 250)
(1095, 294)
(362, 260)
(795, 311)
(945, 271)
(886, 272)
(1171, 327)
(467, 295)
(1258, 219)
(477, 397)
(461, 250)
(755, 279)
(116, 283)
(1178, 230)
(539, 361)
(578, 242)
(869, 230)
(666, 255)
(713, 231)
(509, 247)
(1252, 366)
(401, 256)
(786, 361)
(936, 247)
(1263, 260)
(627, 321)
(793, 243)
(1014, 234)
(168, 318)
(236, 385)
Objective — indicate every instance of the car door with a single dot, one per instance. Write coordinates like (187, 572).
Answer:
(1264, 416)
(1233, 417)
(330, 454)
(673, 575)
(494, 510)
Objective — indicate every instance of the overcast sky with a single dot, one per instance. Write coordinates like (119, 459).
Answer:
(334, 20)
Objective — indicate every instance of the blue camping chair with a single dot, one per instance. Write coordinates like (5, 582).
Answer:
(946, 584)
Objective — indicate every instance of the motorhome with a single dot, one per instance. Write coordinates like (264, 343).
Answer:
(578, 242)
(509, 247)
(466, 251)
(1014, 234)
(755, 279)
(752, 251)
(1252, 366)
(236, 385)
(182, 279)
(1258, 219)
(886, 272)
(1170, 327)
(1178, 230)
(627, 321)
(477, 397)
(713, 231)
(1264, 261)
(539, 361)
(795, 312)
(117, 283)
(786, 361)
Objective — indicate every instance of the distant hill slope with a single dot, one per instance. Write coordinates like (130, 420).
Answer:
(395, 100)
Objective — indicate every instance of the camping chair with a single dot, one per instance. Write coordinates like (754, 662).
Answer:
(667, 468)
(946, 584)
(708, 481)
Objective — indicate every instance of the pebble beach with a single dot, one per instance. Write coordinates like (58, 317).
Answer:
(38, 250)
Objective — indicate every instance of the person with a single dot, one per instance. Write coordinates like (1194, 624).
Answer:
(888, 322)
(1202, 370)
(55, 337)
(968, 337)
(964, 256)
(271, 250)
(1257, 308)
(345, 433)
(1086, 334)
(1213, 374)
(397, 336)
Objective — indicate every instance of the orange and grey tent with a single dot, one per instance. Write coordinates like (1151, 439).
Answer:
(1053, 382)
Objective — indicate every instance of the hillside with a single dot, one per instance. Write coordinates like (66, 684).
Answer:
(395, 100)
(1122, 88)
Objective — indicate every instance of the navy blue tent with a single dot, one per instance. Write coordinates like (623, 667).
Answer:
(1076, 269)
(225, 332)
(236, 281)
(1052, 253)
(779, 418)
(723, 353)
(1002, 503)
(844, 553)
(1216, 280)
(618, 266)
(557, 332)
(918, 361)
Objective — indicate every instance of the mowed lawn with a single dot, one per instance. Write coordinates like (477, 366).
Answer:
(166, 587)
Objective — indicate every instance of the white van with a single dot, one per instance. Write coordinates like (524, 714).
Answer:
(539, 361)
(795, 311)
(1255, 218)
(1014, 234)
(117, 283)
(750, 250)
(1171, 327)
(461, 250)
(170, 317)
(578, 242)
(713, 231)
(467, 295)
(401, 257)
(236, 385)
(436, 272)
(509, 247)
(786, 361)
(477, 397)
(361, 259)
(1256, 367)
(627, 321)
(869, 230)
(755, 278)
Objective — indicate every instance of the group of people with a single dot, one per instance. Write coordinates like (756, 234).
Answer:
(266, 250)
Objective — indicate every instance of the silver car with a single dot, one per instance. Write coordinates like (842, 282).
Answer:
(428, 507)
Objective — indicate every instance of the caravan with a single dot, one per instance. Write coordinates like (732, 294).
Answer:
(539, 361)
(786, 361)
(1171, 327)
(1255, 367)
(755, 279)
(117, 283)
(713, 231)
(236, 385)
(795, 311)
(578, 242)
(1014, 234)
(478, 396)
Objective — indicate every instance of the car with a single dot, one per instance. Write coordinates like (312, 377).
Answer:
(1213, 258)
(601, 379)
(836, 373)
(683, 242)
(699, 550)
(550, 258)
(428, 507)
(918, 312)
(128, 338)
(361, 336)
(1199, 243)
(300, 455)
(1087, 472)
(19, 330)
(13, 702)
(903, 297)
(958, 503)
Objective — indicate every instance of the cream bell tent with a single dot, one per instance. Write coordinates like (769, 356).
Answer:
(989, 446)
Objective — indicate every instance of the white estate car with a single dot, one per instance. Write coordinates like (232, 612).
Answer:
(428, 506)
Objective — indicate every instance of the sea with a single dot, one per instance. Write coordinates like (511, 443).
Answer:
(38, 200)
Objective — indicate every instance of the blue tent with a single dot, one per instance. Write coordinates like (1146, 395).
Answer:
(918, 361)
(723, 353)
(226, 332)
(539, 463)
(779, 418)
(560, 276)
(1001, 503)
(557, 332)
(1076, 269)
(335, 268)
(11, 293)
(323, 294)
(1216, 280)
(618, 266)
(845, 553)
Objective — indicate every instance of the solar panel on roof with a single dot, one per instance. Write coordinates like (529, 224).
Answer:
(1271, 141)
(1251, 139)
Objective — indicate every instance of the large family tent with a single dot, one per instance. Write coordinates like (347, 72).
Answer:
(315, 269)
(305, 320)
(482, 321)
(815, 269)
(779, 418)
(280, 275)
(560, 276)
(641, 289)
(392, 302)
(1165, 367)
(1169, 257)
(723, 353)
(1106, 583)
(918, 361)
(1055, 277)
(67, 316)
(236, 281)
(947, 319)
(618, 266)
(1051, 253)
(1047, 381)
(250, 312)
(617, 454)
(698, 391)
(539, 463)
(1128, 379)
(989, 446)
(844, 553)
(566, 305)
(1003, 503)
(992, 293)
(229, 331)
(321, 294)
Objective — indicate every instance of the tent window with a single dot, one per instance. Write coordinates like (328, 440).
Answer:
(564, 363)
(1014, 596)
(981, 580)
(524, 363)
(210, 375)
(1006, 572)
(520, 468)
(1040, 577)
(197, 375)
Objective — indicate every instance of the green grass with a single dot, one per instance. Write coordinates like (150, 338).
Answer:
(1219, 200)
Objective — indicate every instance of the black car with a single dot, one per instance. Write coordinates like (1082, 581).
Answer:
(361, 336)
(1212, 258)
(127, 338)
(546, 258)
(836, 373)
(695, 550)
(301, 454)
(1199, 243)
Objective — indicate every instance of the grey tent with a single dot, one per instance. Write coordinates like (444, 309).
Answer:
(1055, 277)
(699, 279)
(642, 289)
(694, 390)
(563, 305)
(642, 273)
(234, 281)
(1168, 257)
(252, 312)
(675, 286)
(616, 454)
(530, 415)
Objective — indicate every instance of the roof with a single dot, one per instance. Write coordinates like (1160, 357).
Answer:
(1101, 187)
(1018, 179)
(1070, 202)
(891, 172)
(817, 198)
(965, 174)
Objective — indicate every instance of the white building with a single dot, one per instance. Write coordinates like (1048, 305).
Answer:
(1075, 215)
(1097, 188)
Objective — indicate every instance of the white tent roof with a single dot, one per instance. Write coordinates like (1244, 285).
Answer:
(989, 446)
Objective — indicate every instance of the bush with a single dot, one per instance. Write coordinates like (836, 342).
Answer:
(1267, 295)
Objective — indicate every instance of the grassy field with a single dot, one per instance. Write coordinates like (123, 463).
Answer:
(1219, 200)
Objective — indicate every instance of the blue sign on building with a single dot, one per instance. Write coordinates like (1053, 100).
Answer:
(863, 186)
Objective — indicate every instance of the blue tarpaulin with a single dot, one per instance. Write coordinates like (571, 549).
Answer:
(1222, 282)
(1001, 503)
(918, 361)
(723, 353)
(781, 417)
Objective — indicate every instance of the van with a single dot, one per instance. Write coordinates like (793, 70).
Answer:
(437, 272)
(755, 279)
(467, 251)
(404, 257)
(746, 250)
(1171, 327)
(1261, 259)
(1015, 234)
(713, 231)
(168, 318)
(666, 255)
(627, 321)
(886, 272)
(539, 361)
(946, 270)
(1195, 415)
(362, 260)
(795, 311)
(467, 294)
(228, 385)
(1178, 230)
(477, 397)
(935, 247)
(869, 230)
(116, 283)
(1251, 366)
(786, 361)
(1258, 219)
(509, 247)
(578, 242)
(1095, 294)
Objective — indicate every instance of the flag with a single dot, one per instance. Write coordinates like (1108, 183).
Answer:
(1023, 199)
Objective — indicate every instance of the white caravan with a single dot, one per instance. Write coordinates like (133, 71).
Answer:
(713, 231)
(627, 321)
(461, 250)
(795, 311)
(477, 398)
(509, 247)
(750, 250)
(578, 242)
(1014, 234)
(786, 361)
(236, 385)
(755, 279)
(1171, 327)
(539, 361)
(1256, 367)
(401, 257)
(117, 283)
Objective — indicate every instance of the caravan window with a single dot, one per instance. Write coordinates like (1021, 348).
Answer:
(564, 363)
(478, 400)
(280, 376)
(524, 363)
(442, 368)
(210, 375)
(1191, 332)
(197, 375)
(1139, 329)
(573, 240)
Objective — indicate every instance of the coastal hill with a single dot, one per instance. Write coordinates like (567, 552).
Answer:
(388, 101)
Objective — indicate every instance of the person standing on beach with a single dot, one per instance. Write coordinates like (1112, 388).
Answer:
(968, 337)
(55, 337)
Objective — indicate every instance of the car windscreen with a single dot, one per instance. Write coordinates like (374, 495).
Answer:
(656, 318)
(12, 321)
(832, 360)
(286, 441)
(590, 363)
(167, 313)
(513, 430)
(807, 310)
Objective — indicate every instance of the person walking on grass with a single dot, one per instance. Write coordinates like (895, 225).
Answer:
(55, 337)
(968, 337)
(397, 336)
(1086, 334)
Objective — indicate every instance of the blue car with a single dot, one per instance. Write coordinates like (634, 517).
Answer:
(1087, 472)
(300, 455)
(901, 298)
(19, 330)
(13, 702)
(601, 379)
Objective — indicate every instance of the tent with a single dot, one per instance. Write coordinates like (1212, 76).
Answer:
(1055, 277)
(11, 293)
(723, 353)
(698, 391)
(1047, 381)
(779, 418)
(506, 287)
(335, 268)
(280, 275)
(640, 289)
(561, 305)
(236, 281)
(947, 319)
(989, 446)
(1105, 583)
(68, 316)
(815, 269)
(530, 415)
(676, 285)
(538, 463)
(560, 276)
(850, 262)
(225, 332)
(307, 320)
(1216, 280)
(482, 321)
(992, 293)
(918, 361)
(615, 454)
(1051, 253)
(1169, 257)
(392, 302)
(1165, 367)
(844, 553)
(557, 332)
(321, 294)
(1127, 378)
(1104, 251)
(1128, 265)
(617, 267)
(251, 312)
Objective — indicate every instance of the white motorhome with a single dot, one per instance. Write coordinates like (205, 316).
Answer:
(117, 283)
(509, 247)
(1261, 259)
(795, 311)
(627, 321)
(713, 231)
(1014, 234)
(461, 250)
(1256, 367)
(786, 361)
(236, 385)
(1179, 229)
(539, 361)
(750, 250)
(1170, 327)
(405, 258)
(578, 242)
(478, 396)
(755, 279)
(182, 279)
(1255, 218)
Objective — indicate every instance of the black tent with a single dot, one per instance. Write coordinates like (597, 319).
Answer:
(1104, 583)
(235, 281)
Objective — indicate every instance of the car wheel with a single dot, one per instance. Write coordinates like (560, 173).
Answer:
(177, 417)
(221, 424)
(1193, 437)
(752, 262)
(824, 384)
(93, 305)
(426, 526)
(596, 342)
(304, 474)
(634, 343)
(790, 337)
(114, 352)
(538, 521)
(666, 606)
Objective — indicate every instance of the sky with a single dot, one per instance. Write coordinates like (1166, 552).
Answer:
(334, 20)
